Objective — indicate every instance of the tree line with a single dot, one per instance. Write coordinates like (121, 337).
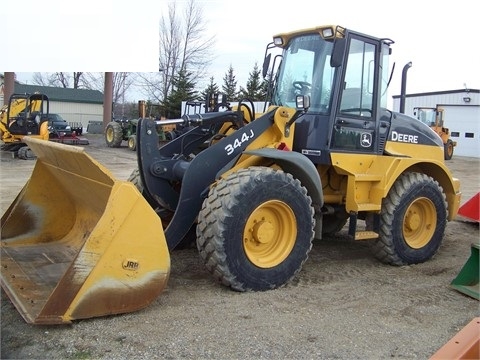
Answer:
(184, 88)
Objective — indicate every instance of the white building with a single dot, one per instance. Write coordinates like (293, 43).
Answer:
(461, 115)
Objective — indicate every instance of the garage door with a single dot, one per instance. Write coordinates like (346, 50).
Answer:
(464, 125)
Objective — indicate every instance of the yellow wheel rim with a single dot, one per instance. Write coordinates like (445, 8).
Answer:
(419, 223)
(131, 143)
(270, 234)
(110, 134)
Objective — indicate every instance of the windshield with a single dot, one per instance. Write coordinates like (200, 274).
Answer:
(305, 70)
(427, 116)
(55, 117)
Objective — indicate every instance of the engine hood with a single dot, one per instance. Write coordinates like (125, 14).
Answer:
(412, 138)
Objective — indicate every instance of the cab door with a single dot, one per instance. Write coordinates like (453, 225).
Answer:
(354, 127)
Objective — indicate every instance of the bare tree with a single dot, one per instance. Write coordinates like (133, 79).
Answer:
(122, 81)
(183, 47)
(94, 81)
(41, 79)
(59, 79)
(170, 39)
(197, 51)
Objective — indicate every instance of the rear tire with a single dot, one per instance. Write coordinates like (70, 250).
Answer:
(412, 221)
(255, 229)
(113, 134)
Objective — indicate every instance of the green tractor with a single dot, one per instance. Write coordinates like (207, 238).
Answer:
(119, 130)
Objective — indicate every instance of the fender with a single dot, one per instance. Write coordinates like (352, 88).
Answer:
(298, 165)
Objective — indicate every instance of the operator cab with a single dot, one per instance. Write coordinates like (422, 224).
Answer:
(345, 75)
(28, 120)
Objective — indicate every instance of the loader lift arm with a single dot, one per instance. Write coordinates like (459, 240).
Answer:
(161, 169)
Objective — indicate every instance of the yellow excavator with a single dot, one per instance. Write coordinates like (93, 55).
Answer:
(28, 115)
(255, 188)
(25, 114)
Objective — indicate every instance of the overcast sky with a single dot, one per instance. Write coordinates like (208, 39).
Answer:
(439, 38)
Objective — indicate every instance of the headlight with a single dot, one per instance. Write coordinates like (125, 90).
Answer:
(278, 41)
(327, 33)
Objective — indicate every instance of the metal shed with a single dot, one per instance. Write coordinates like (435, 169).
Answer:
(462, 115)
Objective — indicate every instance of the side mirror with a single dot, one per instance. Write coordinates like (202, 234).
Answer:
(338, 53)
(302, 102)
(266, 64)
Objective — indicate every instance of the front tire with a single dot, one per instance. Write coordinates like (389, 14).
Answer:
(413, 220)
(448, 148)
(113, 134)
(255, 229)
(136, 180)
(164, 214)
(132, 142)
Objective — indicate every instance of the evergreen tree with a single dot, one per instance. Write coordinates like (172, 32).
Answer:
(183, 90)
(212, 88)
(267, 84)
(229, 86)
(256, 86)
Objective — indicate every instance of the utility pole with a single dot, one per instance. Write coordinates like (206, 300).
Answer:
(107, 99)
(123, 94)
(8, 86)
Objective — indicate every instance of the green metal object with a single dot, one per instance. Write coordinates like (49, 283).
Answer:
(467, 279)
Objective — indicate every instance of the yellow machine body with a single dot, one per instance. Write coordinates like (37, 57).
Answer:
(8, 114)
(254, 190)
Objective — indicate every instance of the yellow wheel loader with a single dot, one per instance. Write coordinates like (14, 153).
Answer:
(434, 117)
(256, 188)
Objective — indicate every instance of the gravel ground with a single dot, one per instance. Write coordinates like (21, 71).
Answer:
(344, 304)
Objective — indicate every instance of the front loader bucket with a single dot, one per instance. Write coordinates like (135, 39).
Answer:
(467, 279)
(76, 243)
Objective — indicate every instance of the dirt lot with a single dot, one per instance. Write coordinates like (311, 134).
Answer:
(343, 305)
